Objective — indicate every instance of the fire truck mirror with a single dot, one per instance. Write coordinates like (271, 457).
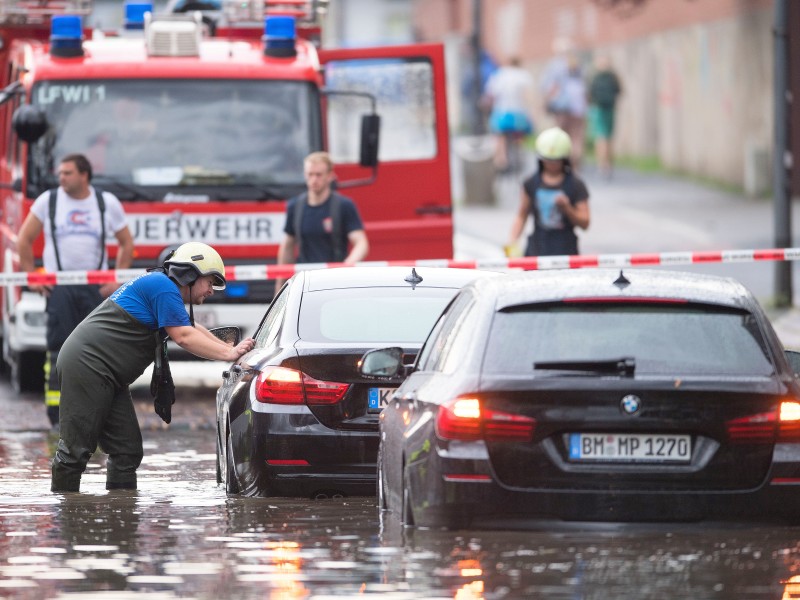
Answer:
(29, 123)
(370, 134)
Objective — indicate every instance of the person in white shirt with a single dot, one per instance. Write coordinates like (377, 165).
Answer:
(76, 219)
(509, 92)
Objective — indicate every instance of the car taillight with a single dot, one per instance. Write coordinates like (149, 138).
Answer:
(279, 385)
(752, 429)
(465, 419)
(789, 422)
(781, 426)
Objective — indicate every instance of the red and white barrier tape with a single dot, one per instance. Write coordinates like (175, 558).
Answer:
(266, 272)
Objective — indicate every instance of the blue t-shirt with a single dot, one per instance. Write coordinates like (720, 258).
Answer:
(154, 300)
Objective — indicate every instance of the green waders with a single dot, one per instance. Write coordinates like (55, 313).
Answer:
(99, 360)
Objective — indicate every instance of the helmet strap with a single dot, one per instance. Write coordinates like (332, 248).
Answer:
(191, 304)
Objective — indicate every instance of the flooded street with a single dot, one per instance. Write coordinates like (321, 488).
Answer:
(178, 536)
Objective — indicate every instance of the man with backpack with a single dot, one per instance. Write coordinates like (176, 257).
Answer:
(75, 218)
(322, 226)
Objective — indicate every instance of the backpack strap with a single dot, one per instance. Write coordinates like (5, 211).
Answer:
(569, 185)
(336, 228)
(101, 205)
(52, 211)
(299, 205)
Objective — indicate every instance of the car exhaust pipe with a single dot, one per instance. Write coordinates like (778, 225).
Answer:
(320, 496)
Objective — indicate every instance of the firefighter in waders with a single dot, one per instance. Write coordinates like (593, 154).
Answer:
(113, 346)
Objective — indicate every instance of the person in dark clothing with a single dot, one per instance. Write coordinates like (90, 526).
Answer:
(321, 224)
(556, 198)
(604, 89)
(113, 346)
(74, 219)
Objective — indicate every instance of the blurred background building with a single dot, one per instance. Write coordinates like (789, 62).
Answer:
(698, 75)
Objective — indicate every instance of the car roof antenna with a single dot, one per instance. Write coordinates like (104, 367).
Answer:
(414, 279)
(622, 282)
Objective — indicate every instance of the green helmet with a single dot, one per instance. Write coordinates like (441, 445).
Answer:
(553, 144)
(195, 259)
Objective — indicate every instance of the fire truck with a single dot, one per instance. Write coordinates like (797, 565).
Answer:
(200, 126)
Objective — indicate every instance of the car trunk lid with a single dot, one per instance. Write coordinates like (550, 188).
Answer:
(627, 435)
(360, 406)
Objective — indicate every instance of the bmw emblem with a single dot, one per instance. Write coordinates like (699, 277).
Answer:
(630, 404)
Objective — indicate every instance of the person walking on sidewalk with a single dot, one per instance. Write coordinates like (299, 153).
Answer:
(604, 89)
(113, 346)
(566, 100)
(509, 94)
(75, 218)
(320, 223)
(555, 197)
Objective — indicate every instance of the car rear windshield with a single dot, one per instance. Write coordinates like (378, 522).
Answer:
(379, 315)
(662, 339)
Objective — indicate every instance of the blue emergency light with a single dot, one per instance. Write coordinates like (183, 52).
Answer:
(237, 289)
(279, 37)
(66, 36)
(134, 14)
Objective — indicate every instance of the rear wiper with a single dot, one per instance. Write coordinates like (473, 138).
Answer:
(132, 189)
(623, 366)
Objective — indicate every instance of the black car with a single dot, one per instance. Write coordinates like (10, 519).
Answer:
(295, 417)
(593, 395)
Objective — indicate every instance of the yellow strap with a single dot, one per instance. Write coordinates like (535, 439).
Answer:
(52, 397)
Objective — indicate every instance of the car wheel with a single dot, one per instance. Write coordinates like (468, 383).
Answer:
(408, 514)
(231, 483)
(219, 456)
(381, 493)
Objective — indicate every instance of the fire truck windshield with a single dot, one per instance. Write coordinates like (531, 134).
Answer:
(225, 139)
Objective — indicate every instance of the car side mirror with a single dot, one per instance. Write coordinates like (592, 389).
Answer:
(370, 136)
(229, 335)
(382, 363)
(793, 357)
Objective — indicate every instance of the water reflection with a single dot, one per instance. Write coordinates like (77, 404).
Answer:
(179, 536)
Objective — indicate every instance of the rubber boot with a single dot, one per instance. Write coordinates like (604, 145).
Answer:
(63, 480)
(67, 468)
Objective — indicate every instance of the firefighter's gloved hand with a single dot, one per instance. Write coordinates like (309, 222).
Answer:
(163, 389)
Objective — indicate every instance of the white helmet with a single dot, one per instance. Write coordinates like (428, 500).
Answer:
(195, 259)
(553, 144)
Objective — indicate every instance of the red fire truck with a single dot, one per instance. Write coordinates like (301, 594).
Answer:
(200, 127)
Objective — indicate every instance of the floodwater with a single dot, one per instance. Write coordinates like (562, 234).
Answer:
(178, 536)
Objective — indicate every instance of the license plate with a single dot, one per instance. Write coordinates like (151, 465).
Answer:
(378, 398)
(628, 447)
